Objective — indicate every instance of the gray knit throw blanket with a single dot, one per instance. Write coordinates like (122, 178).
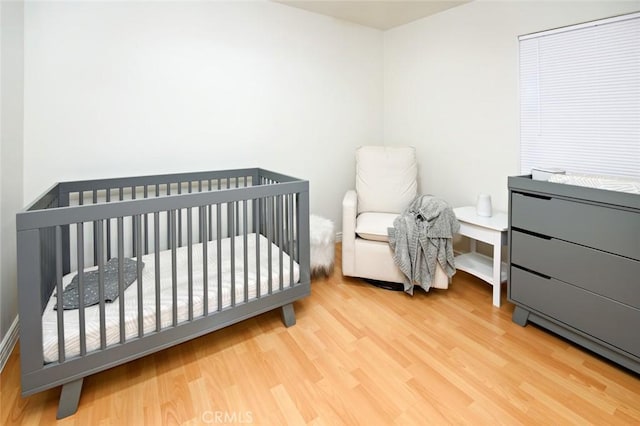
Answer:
(421, 238)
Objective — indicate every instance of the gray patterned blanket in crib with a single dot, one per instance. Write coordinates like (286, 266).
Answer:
(71, 297)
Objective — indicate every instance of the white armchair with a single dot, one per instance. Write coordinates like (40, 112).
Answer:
(386, 183)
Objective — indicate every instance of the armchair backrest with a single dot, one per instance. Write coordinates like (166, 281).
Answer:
(386, 178)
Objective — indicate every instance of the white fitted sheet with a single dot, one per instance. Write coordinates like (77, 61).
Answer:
(112, 315)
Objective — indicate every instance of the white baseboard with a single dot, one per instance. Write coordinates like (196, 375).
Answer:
(338, 237)
(8, 343)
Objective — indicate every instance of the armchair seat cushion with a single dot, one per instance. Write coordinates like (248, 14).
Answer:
(373, 226)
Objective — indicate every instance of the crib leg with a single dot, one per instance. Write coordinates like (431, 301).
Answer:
(69, 398)
(288, 315)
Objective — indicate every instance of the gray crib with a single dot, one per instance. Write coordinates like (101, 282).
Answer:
(210, 249)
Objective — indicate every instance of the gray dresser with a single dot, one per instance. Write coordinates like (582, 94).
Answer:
(574, 264)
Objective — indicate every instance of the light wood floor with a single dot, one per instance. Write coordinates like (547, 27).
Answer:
(357, 355)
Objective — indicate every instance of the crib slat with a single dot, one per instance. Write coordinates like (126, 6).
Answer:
(146, 223)
(237, 211)
(174, 268)
(121, 276)
(285, 230)
(210, 208)
(205, 262)
(100, 263)
(200, 239)
(256, 218)
(138, 232)
(168, 219)
(219, 253)
(59, 292)
(190, 260)
(108, 227)
(279, 228)
(269, 243)
(95, 224)
(156, 249)
(232, 250)
(296, 230)
(81, 316)
(245, 253)
(291, 238)
(179, 218)
(134, 235)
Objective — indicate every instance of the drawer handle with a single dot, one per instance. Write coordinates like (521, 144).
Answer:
(546, 277)
(533, 234)
(530, 195)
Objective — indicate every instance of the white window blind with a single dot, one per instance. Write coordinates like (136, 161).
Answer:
(580, 98)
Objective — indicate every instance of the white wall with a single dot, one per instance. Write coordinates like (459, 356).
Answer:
(128, 88)
(11, 136)
(451, 89)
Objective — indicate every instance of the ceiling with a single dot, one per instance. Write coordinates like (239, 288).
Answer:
(380, 14)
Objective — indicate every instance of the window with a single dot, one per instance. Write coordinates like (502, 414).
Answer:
(580, 98)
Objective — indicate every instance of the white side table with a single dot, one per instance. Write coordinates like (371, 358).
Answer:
(491, 230)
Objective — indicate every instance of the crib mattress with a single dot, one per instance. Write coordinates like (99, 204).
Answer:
(112, 310)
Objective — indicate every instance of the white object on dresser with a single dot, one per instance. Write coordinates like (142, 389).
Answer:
(491, 230)
(544, 173)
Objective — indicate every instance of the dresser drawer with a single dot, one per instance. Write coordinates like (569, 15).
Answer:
(609, 275)
(609, 229)
(597, 316)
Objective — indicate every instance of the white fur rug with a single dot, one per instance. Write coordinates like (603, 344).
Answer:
(322, 238)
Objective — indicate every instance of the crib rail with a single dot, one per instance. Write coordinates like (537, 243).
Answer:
(79, 225)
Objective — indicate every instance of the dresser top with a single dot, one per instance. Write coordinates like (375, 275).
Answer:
(573, 192)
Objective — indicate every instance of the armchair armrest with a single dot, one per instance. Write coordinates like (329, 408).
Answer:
(349, 214)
